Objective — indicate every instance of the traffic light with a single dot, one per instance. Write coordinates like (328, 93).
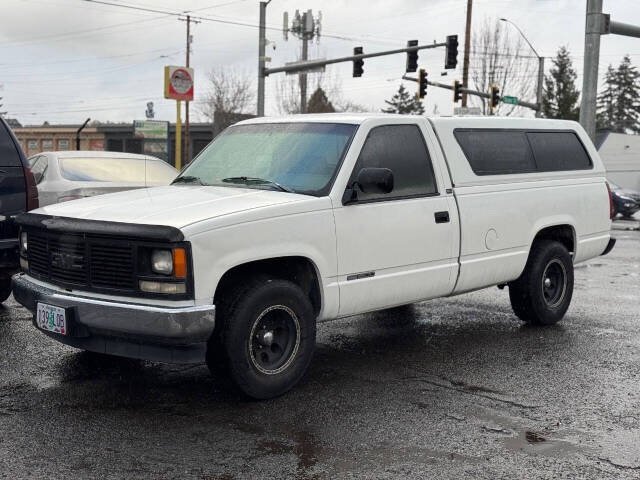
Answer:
(357, 64)
(451, 60)
(494, 100)
(457, 91)
(422, 83)
(412, 57)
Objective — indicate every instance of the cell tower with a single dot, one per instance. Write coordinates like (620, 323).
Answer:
(305, 27)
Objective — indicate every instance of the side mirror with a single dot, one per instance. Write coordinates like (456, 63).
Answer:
(369, 180)
(375, 180)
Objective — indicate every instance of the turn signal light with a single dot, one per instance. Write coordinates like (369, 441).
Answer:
(179, 263)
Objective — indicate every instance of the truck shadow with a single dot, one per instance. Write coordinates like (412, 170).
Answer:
(384, 347)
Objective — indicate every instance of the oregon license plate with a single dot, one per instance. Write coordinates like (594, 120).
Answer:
(51, 318)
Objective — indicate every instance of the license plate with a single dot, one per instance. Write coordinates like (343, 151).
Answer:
(51, 318)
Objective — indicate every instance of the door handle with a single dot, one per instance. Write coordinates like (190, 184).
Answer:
(441, 217)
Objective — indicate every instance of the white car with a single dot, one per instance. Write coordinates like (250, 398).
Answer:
(283, 222)
(70, 175)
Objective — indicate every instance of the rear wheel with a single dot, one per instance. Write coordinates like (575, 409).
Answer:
(5, 288)
(266, 337)
(542, 294)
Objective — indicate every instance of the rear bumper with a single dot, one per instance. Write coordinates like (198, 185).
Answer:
(610, 245)
(176, 335)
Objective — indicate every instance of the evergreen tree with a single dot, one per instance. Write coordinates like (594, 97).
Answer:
(627, 106)
(560, 99)
(606, 105)
(403, 102)
(319, 103)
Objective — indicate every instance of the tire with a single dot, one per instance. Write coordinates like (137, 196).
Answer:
(542, 294)
(266, 337)
(5, 288)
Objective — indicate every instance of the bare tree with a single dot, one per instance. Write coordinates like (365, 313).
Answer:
(496, 58)
(229, 94)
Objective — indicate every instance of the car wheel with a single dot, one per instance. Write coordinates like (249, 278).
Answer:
(542, 294)
(5, 288)
(266, 339)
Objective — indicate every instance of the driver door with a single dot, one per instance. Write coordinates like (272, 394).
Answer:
(396, 248)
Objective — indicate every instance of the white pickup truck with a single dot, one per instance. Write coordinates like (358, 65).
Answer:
(283, 222)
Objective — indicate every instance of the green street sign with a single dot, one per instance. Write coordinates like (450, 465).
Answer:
(510, 100)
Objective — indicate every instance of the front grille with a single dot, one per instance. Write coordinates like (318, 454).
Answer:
(81, 261)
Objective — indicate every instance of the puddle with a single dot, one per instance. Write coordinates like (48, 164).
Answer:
(536, 443)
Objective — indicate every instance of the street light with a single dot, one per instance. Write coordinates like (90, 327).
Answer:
(540, 67)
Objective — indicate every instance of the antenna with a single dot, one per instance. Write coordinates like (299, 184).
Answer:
(285, 25)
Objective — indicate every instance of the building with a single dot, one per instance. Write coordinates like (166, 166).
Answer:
(620, 154)
(46, 138)
(115, 137)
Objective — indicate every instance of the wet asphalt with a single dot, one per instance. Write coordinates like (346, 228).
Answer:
(452, 388)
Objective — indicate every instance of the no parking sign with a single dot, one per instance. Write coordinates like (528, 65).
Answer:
(178, 83)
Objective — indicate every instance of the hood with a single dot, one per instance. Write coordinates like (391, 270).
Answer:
(173, 205)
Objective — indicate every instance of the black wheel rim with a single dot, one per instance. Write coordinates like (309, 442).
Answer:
(274, 340)
(554, 283)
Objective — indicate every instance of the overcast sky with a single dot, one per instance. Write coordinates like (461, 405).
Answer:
(66, 60)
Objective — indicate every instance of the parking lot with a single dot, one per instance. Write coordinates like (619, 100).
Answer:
(451, 388)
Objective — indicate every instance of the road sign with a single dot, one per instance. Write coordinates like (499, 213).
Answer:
(510, 100)
(178, 83)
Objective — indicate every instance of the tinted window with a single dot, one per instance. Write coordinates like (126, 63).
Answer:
(493, 152)
(9, 156)
(401, 149)
(558, 151)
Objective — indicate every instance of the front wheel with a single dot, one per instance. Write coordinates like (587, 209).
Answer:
(267, 337)
(542, 294)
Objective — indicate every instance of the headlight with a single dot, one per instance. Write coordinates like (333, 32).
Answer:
(162, 262)
(23, 244)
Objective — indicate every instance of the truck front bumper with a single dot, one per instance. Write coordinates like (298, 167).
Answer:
(149, 332)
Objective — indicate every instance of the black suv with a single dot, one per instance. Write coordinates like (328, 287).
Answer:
(18, 193)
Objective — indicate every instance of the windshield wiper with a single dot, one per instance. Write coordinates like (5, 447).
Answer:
(188, 179)
(258, 181)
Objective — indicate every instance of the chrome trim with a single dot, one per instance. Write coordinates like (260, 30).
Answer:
(163, 325)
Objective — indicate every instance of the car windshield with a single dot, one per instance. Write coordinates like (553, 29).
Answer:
(104, 169)
(299, 157)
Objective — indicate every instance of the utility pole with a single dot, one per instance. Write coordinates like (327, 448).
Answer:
(187, 150)
(261, 58)
(465, 62)
(187, 146)
(305, 57)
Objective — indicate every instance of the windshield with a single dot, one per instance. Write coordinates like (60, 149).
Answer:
(299, 157)
(101, 169)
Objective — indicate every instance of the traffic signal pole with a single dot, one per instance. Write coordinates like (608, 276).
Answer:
(597, 24)
(310, 64)
(469, 91)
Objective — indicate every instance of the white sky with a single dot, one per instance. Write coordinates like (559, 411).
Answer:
(66, 60)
